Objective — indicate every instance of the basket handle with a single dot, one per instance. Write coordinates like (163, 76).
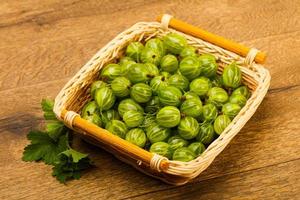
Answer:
(73, 120)
(209, 37)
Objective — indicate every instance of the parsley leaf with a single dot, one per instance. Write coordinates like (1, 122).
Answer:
(75, 155)
(53, 148)
(55, 129)
(47, 107)
(70, 164)
(43, 147)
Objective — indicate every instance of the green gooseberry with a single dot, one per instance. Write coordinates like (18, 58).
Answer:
(197, 148)
(125, 67)
(149, 120)
(97, 85)
(169, 63)
(134, 50)
(242, 90)
(94, 118)
(174, 43)
(150, 56)
(209, 112)
(165, 74)
(89, 108)
(188, 128)
(136, 136)
(232, 76)
(157, 133)
(188, 51)
(156, 44)
(217, 96)
(110, 72)
(206, 133)
(152, 69)
(125, 59)
(208, 64)
(221, 122)
(109, 115)
(117, 127)
(200, 86)
(191, 107)
(153, 105)
(231, 109)
(133, 118)
(176, 142)
(183, 154)
(190, 67)
(141, 92)
(105, 98)
(158, 83)
(179, 81)
(216, 81)
(190, 95)
(90, 112)
(121, 86)
(168, 117)
(238, 99)
(161, 148)
(127, 105)
(170, 96)
(138, 73)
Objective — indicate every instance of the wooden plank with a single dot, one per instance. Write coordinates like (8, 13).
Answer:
(19, 12)
(274, 182)
(42, 44)
(63, 46)
(33, 66)
(253, 148)
(14, 13)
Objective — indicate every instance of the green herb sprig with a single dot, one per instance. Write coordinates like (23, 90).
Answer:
(52, 147)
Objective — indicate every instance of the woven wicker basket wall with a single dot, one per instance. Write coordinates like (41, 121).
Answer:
(76, 93)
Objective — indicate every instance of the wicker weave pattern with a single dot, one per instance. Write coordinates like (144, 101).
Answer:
(76, 93)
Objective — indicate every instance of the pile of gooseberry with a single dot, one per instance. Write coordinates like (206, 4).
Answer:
(164, 97)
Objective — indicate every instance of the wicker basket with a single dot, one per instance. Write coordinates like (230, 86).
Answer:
(75, 94)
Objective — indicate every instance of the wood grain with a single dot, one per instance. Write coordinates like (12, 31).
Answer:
(44, 43)
(275, 178)
(63, 45)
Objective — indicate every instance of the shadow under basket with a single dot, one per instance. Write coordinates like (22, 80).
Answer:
(76, 93)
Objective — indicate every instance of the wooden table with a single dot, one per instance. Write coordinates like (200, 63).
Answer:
(44, 43)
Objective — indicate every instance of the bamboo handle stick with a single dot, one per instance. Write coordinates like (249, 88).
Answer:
(106, 137)
(212, 38)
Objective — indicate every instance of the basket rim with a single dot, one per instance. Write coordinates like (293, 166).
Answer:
(187, 169)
